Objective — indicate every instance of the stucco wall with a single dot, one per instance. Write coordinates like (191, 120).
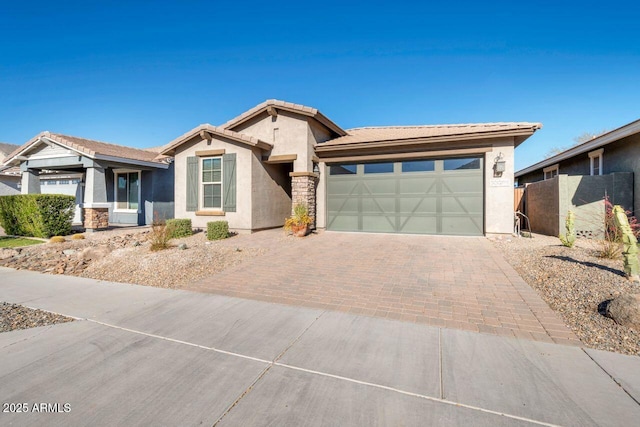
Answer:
(624, 156)
(292, 136)
(271, 194)
(498, 209)
(239, 220)
(9, 185)
(321, 197)
(161, 204)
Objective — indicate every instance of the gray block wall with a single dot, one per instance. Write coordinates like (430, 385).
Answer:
(549, 201)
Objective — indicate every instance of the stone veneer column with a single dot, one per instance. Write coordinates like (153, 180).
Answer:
(96, 218)
(303, 191)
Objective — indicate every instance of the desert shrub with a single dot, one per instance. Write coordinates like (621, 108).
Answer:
(37, 215)
(57, 239)
(160, 235)
(179, 228)
(608, 249)
(217, 230)
(77, 237)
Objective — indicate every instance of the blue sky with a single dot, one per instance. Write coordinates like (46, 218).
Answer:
(141, 73)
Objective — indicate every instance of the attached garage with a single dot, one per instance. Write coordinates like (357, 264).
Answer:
(423, 196)
(440, 180)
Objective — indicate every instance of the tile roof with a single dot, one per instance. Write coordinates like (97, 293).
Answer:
(283, 105)
(215, 130)
(398, 133)
(93, 148)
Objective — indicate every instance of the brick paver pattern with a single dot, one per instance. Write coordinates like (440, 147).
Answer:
(452, 282)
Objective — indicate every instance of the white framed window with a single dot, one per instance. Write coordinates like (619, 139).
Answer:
(127, 190)
(211, 183)
(595, 161)
(550, 171)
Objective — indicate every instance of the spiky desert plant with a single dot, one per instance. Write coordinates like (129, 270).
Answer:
(569, 237)
(629, 242)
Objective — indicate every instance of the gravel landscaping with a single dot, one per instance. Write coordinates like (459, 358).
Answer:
(575, 282)
(14, 316)
(124, 255)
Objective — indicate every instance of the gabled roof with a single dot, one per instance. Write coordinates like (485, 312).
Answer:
(433, 133)
(90, 148)
(206, 130)
(593, 144)
(286, 106)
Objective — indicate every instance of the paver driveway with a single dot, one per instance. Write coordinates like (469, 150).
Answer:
(454, 282)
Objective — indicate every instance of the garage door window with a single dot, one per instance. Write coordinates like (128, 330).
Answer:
(342, 170)
(457, 164)
(378, 168)
(418, 166)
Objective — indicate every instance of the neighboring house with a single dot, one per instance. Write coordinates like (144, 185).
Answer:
(9, 177)
(579, 178)
(443, 179)
(112, 183)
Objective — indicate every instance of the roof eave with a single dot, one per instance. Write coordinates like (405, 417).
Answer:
(146, 163)
(609, 137)
(171, 147)
(261, 108)
(521, 134)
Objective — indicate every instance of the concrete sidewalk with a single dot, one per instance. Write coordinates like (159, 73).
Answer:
(148, 356)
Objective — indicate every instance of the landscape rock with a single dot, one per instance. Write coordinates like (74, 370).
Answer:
(69, 252)
(94, 253)
(182, 246)
(8, 253)
(574, 282)
(625, 310)
(14, 316)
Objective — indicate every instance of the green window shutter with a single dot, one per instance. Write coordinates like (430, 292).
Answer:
(192, 184)
(229, 182)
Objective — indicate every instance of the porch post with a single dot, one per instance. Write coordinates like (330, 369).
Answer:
(95, 205)
(303, 191)
(30, 181)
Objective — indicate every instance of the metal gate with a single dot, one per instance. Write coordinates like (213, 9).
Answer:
(444, 196)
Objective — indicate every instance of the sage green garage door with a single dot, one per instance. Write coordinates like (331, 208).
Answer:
(444, 196)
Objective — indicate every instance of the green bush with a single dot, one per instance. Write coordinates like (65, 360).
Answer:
(217, 230)
(179, 228)
(37, 215)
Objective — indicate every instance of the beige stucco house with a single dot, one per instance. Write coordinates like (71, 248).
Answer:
(443, 179)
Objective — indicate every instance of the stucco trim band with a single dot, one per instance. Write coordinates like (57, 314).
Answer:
(205, 153)
(210, 213)
(283, 158)
(297, 174)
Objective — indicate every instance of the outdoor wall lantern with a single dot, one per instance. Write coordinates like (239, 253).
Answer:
(316, 168)
(499, 165)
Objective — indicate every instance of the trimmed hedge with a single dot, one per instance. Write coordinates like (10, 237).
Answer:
(217, 230)
(179, 228)
(37, 215)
